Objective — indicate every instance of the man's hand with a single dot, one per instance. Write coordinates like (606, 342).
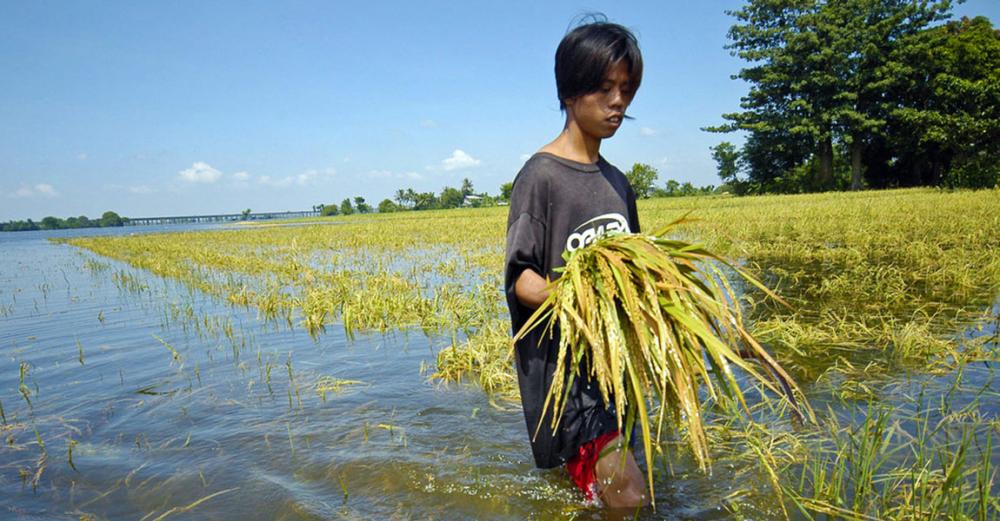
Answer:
(530, 288)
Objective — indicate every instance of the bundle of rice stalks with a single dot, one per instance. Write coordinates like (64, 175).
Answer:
(649, 318)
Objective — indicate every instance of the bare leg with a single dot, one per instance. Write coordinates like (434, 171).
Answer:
(620, 483)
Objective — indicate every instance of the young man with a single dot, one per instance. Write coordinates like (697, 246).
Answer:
(564, 197)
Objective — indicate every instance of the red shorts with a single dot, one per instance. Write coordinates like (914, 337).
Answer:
(581, 466)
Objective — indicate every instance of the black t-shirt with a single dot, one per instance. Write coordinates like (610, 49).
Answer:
(558, 205)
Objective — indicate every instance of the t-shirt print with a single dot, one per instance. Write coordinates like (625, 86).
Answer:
(590, 231)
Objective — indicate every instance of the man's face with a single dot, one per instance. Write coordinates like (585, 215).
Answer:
(600, 113)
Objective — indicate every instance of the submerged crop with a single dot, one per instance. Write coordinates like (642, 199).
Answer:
(885, 288)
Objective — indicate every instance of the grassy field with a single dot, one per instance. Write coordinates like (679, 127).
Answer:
(886, 289)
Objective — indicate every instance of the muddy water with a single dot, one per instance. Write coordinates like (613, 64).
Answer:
(158, 402)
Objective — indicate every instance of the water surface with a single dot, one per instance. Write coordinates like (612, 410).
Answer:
(165, 397)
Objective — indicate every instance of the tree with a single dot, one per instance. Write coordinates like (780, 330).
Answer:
(780, 134)
(642, 176)
(246, 214)
(20, 226)
(505, 191)
(402, 198)
(483, 201)
(51, 223)
(110, 218)
(328, 210)
(865, 32)
(424, 201)
(361, 206)
(466, 187)
(727, 159)
(820, 73)
(948, 120)
(672, 188)
(450, 198)
(387, 206)
(345, 207)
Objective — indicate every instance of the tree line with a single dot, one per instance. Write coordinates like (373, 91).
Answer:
(641, 176)
(108, 219)
(850, 94)
(409, 199)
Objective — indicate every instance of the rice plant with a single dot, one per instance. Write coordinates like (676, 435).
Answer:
(883, 287)
(651, 317)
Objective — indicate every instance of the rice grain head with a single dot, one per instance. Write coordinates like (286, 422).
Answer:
(650, 319)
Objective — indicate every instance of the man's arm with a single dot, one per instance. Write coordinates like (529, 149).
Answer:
(531, 289)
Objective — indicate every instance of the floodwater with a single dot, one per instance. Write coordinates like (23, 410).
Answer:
(158, 402)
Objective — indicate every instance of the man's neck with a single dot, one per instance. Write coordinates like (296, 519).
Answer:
(574, 145)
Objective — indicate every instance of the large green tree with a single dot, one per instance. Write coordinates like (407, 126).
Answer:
(642, 176)
(780, 123)
(505, 190)
(467, 188)
(404, 198)
(948, 114)
(110, 218)
(361, 205)
(451, 197)
(424, 201)
(387, 206)
(727, 159)
(819, 72)
(51, 223)
(862, 35)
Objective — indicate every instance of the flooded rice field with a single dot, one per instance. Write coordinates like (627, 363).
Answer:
(125, 405)
(306, 373)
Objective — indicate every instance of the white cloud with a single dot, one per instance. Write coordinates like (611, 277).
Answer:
(45, 190)
(388, 174)
(38, 190)
(276, 183)
(304, 179)
(525, 157)
(241, 176)
(200, 172)
(134, 189)
(82, 156)
(459, 160)
(428, 123)
(646, 131)
(326, 173)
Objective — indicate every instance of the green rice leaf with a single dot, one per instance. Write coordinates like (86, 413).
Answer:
(653, 319)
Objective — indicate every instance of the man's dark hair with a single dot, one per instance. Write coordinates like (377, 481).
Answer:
(586, 54)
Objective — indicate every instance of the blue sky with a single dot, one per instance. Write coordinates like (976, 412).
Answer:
(156, 108)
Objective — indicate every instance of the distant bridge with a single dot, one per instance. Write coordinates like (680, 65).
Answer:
(227, 217)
